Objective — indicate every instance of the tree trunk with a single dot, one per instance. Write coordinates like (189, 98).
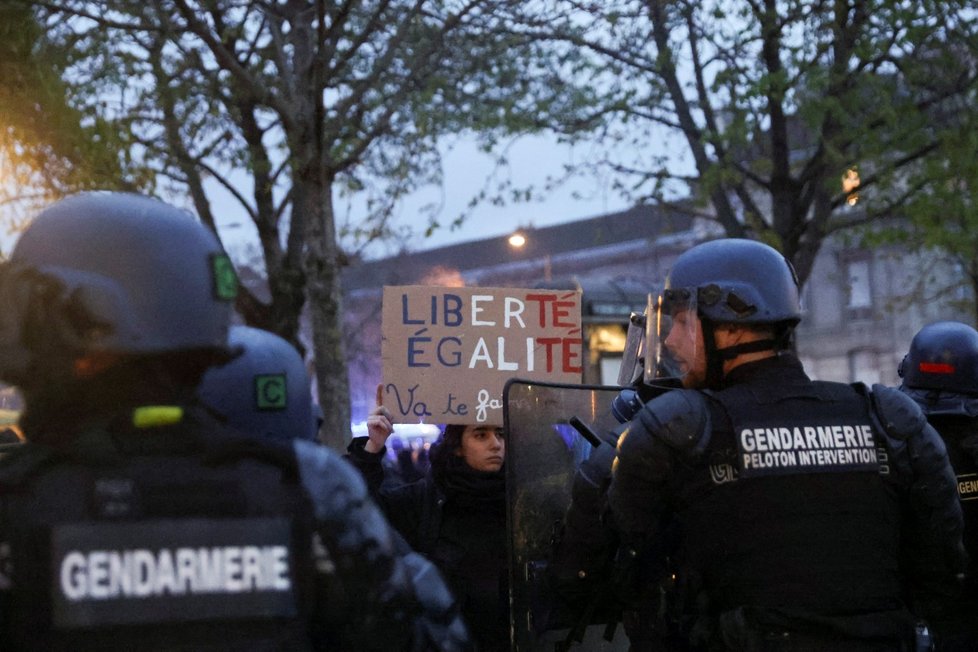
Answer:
(320, 263)
(313, 224)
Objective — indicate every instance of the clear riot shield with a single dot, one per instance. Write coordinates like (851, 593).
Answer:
(543, 450)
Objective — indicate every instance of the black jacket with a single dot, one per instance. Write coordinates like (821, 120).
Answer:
(953, 416)
(463, 532)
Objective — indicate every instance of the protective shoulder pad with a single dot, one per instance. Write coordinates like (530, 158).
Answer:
(943, 403)
(680, 418)
(21, 461)
(331, 481)
(899, 414)
(339, 495)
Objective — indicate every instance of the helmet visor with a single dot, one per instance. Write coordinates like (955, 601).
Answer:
(672, 337)
(632, 358)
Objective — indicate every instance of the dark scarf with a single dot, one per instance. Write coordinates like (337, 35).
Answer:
(466, 487)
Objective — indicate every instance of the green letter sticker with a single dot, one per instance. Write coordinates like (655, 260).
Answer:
(225, 280)
(270, 393)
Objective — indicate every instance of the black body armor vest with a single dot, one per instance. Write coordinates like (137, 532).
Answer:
(954, 430)
(793, 503)
(170, 538)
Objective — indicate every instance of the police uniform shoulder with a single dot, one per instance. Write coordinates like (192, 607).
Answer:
(19, 461)
(326, 475)
(681, 418)
(681, 396)
(899, 414)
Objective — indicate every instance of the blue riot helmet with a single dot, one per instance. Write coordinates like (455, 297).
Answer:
(265, 390)
(736, 281)
(726, 281)
(943, 356)
(112, 273)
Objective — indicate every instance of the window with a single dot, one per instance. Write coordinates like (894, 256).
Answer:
(860, 289)
(860, 295)
(610, 366)
(864, 367)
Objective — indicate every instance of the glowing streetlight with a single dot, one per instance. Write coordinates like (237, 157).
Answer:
(517, 240)
(850, 184)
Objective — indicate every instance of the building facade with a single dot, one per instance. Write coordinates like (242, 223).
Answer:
(861, 307)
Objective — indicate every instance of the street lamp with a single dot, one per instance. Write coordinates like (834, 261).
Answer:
(850, 184)
(518, 240)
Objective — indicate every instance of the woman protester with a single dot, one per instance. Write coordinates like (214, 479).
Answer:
(455, 515)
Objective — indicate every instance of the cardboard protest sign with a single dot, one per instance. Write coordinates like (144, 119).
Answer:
(447, 352)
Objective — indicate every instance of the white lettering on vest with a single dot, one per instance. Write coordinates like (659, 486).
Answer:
(107, 574)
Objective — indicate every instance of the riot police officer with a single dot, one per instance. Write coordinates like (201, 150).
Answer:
(264, 391)
(799, 503)
(132, 519)
(940, 373)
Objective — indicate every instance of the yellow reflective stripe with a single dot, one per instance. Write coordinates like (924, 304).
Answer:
(151, 416)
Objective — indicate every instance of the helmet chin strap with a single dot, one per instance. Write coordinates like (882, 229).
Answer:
(714, 363)
(716, 357)
(732, 352)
